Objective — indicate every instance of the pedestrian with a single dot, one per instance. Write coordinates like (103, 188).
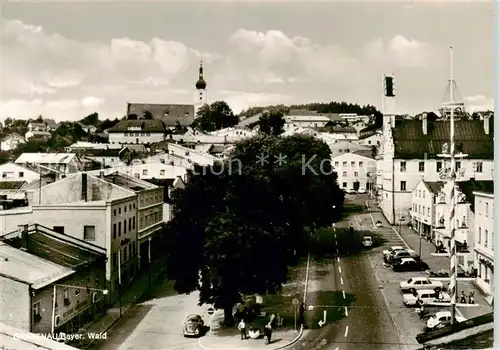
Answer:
(463, 299)
(422, 311)
(351, 229)
(242, 327)
(268, 332)
(471, 298)
(302, 312)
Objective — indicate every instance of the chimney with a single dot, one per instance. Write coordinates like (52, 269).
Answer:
(24, 238)
(101, 174)
(84, 186)
(486, 120)
(424, 123)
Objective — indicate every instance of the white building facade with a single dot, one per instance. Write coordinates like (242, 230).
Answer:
(484, 241)
(355, 172)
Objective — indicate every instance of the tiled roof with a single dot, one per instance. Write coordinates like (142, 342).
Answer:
(154, 125)
(468, 187)
(11, 136)
(410, 141)
(434, 187)
(11, 185)
(45, 158)
(364, 153)
(170, 114)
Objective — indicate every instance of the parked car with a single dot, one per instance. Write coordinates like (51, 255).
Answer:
(367, 241)
(361, 190)
(378, 223)
(426, 297)
(193, 326)
(408, 264)
(388, 252)
(418, 283)
(442, 319)
(399, 254)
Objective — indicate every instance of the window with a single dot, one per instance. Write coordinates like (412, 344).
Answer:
(133, 223)
(119, 229)
(137, 175)
(58, 229)
(130, 207)
(336, 163)
(124, 226)
(36, 312)
(353, 164)
(355, 174)
(428, 211)
(486, 209)
(421, 167)
(77, 290)
(114, 212)
(458, 165)
(21, 174)
(486, 238)
(119, 210)
(144, 171)
(479, 167)
(162, 172)
(360, 164)
(419, 193)
(344, 173)
(479, 235)
(402, 167)
(89, 233)
(129, 224)
(133, 205)
(403, 186)
(344, 184)
(423, 194)
(344, 163)
(125, 209)
(439, 166)
(114, 231)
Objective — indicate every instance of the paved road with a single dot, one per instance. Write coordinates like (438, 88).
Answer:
(367, 323)
(155, 323)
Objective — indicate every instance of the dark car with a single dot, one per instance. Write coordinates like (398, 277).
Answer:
(408, 264)
(193, 326)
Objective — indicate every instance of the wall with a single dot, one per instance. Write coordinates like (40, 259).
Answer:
(11, 219)
(15, 307)
(107, 161)
(348, 166)
(13, 172)
(137, 138)
(193, 156)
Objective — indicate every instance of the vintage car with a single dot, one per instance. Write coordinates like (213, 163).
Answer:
(193, 326)
(427, 297)
(442, 319)
(418, 283)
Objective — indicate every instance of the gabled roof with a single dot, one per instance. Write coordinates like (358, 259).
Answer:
(128, 182)
(100, 152)
(11, 185)
(411, 143)
(154, 125)
(45, 158)
(11, 136)
(170, 114)
(41, 125)
(434, 187)
(468, 187)
(40, 133)
(364, 153)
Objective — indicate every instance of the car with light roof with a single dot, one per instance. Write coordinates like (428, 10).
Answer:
(388, 252)
(426, 297)
(442, 319)
(418, 283)
(193, 326)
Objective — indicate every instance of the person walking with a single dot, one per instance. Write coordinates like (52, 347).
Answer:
(463, 299)
(471, 298)
(302, 312)
(351, 229)
(242, 327)
(268, 332)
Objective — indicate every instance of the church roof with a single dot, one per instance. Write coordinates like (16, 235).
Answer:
(169, 114)
(411, 143)
(145, 125)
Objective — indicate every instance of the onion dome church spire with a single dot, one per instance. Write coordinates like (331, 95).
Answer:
(201, 84)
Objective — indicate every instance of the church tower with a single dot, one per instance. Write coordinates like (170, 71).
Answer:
(201, 92)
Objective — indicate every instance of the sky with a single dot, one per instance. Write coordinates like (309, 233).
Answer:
(67, 60)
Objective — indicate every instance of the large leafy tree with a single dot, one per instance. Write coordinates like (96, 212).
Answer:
(91, 119)
(213, 117)
(271, 123)
(238, 225)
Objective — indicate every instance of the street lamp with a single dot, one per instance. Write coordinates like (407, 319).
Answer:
(54, 299)
(149, 260)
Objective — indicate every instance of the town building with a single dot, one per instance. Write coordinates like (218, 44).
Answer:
(149, 215)
(37, 135)
(37, 126)
(168, 186)
(191, 155)
(37, 261)
(137, 131)
(81, 146)
(16, 172)
(91, 209)
(11, 141)
(146, 171)
(356, 171)
(62, 163)
(484, 240)
(412, 150)
(103, 158)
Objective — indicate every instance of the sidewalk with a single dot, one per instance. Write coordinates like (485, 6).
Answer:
(129, 298)
(437, 263)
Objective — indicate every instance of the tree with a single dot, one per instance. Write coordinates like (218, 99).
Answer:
(39, 119)
(213, 117)
(237, 232)
(107, 123)
(475, 116)
(91, 119)
(271, 123)
(148, 115)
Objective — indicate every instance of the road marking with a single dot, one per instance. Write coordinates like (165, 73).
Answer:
(346, 331)
(337, 250)
(343, 293)
(335, 235)
(341, 281)
(340, 269)
(336, 242)
(338, 259)
(373, 221)
(406, 244)
(347, 314)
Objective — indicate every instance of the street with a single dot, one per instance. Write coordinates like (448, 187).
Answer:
(155, 322)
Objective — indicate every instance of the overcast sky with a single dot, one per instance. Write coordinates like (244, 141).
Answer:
(66, 60)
